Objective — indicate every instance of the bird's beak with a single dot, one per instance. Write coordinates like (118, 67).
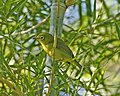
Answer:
(35, 37)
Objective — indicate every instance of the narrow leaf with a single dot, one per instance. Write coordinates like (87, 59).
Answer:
(117, 30)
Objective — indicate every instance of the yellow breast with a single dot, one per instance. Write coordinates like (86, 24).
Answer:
(57, 53)
(47, 48)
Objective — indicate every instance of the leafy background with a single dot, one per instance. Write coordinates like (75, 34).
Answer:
(91, 29)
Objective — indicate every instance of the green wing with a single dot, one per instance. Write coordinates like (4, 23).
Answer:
(62, 46)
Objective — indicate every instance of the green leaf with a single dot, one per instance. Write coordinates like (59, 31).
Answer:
(117, 30)
(16, 7)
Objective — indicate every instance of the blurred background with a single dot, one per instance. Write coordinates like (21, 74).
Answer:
(91, 28)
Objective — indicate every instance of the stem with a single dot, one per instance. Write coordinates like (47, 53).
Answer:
(56, 22)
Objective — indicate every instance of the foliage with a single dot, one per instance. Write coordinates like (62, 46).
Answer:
(91, 29)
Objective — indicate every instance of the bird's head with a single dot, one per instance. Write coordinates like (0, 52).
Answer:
(45, 38)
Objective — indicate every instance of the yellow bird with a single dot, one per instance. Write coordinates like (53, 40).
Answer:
(61, 53)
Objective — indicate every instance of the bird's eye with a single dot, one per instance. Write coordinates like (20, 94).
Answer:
(42, 37)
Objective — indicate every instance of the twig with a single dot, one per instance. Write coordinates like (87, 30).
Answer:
(105, 21)
(33, 27)
(95, 25)
(51, 81)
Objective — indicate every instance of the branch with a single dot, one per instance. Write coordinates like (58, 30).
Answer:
(33, 27)
(105, 21)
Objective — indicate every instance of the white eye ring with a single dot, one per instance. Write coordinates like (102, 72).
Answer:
(42, 37)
